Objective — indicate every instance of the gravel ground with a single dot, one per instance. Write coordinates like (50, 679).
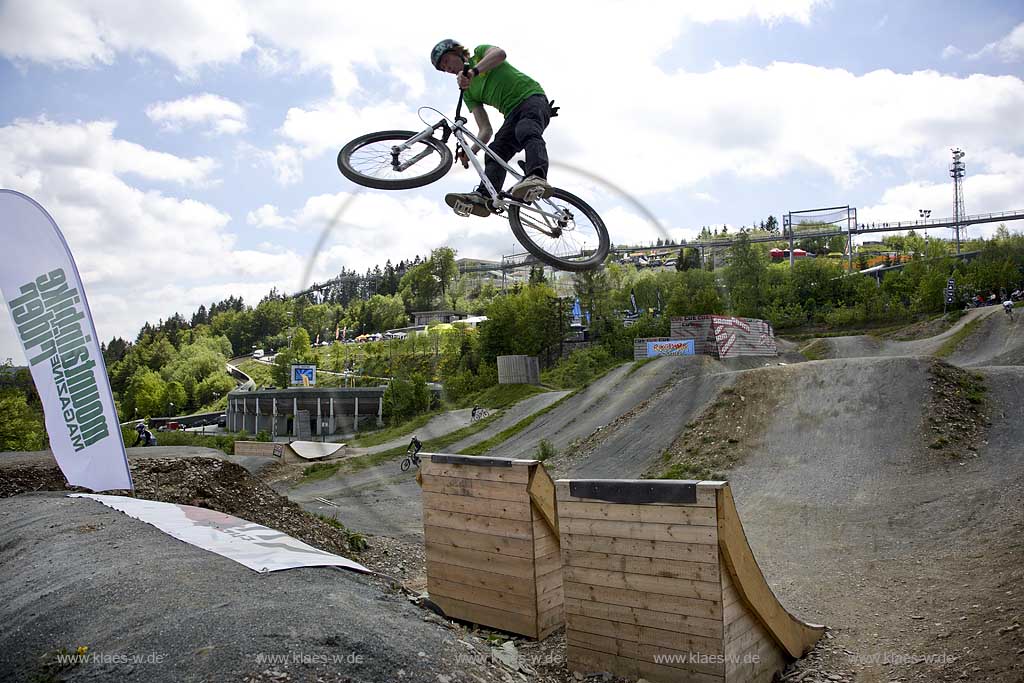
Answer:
(150, 608)
(597, 405)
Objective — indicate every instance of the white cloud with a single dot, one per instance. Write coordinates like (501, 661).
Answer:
(26, 146)
(188, 33)
(129, 242)
(267, 216)
(222, 115)
(951, 51)
(1009, 48)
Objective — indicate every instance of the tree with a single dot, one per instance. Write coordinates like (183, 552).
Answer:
(771, 225)
(419, 288)
(527, 323)
(746, 277)
(442, 267)
(537, 275)
(688, 258)
(174, 399)
(144, 396)
(21, 428)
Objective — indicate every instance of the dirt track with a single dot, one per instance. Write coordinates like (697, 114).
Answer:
(77, 573)
(856, 523)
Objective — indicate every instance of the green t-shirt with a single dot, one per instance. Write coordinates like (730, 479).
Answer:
(504, 87)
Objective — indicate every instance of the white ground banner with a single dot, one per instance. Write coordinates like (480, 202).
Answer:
(254, 545)
(44, 293)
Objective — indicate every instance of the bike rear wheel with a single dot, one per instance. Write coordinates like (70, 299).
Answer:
(563, 231)
(369, 161)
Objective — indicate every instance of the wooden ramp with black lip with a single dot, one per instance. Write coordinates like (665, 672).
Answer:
(660, 583)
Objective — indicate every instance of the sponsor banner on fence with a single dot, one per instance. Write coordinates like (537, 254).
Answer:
(673, 347)
(42, 289)
(256, 546)
(303, 375)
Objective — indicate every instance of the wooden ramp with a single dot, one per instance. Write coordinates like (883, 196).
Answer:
(660, 583)
(491, 534)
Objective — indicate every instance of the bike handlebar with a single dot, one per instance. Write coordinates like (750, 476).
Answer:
(458, 109)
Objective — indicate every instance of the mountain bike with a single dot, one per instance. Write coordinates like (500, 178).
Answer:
(411, 458)
(561, 230)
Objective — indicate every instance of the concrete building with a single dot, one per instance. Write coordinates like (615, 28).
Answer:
(304, 412)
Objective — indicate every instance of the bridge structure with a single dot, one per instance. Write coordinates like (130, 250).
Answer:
(523, 260)
(520, 260)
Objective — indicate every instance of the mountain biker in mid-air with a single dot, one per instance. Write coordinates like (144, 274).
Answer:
(493, 81)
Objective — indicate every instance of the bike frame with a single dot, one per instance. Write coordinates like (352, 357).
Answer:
(459, 129)
(461, 132)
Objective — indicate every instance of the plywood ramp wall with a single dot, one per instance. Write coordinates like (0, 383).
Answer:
(660, 583)
(491, 533)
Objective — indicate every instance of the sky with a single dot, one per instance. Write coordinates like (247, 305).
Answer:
(187, 149)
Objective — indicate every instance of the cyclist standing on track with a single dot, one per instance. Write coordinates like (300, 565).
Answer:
(493, 81)
(1008, 308)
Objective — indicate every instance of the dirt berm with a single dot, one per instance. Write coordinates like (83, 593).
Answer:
(904, 550)
(76, 574)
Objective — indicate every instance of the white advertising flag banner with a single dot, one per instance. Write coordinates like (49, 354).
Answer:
(256, 546)
(44, 293)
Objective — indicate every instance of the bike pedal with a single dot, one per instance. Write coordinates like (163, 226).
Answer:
(462, 209)
(533, 195)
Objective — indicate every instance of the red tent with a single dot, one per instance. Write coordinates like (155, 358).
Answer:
(797, 253)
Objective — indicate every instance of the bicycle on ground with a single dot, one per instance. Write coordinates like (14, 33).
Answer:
(561, 230)
(412, 456)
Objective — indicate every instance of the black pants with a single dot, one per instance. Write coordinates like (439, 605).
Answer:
(523, 129)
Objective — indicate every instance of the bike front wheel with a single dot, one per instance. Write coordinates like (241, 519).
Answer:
(563, 231)
(406, 464)
(370, 161)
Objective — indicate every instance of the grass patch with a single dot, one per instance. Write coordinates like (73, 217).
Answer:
(220, 442)
(500, 395)
(686, 470)
(485, 445)
(355, 540)
(377, 437)
(325, 470)
(261, 373)
(637, 364)
(545, 450)
(951, 344)
(815, 350)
